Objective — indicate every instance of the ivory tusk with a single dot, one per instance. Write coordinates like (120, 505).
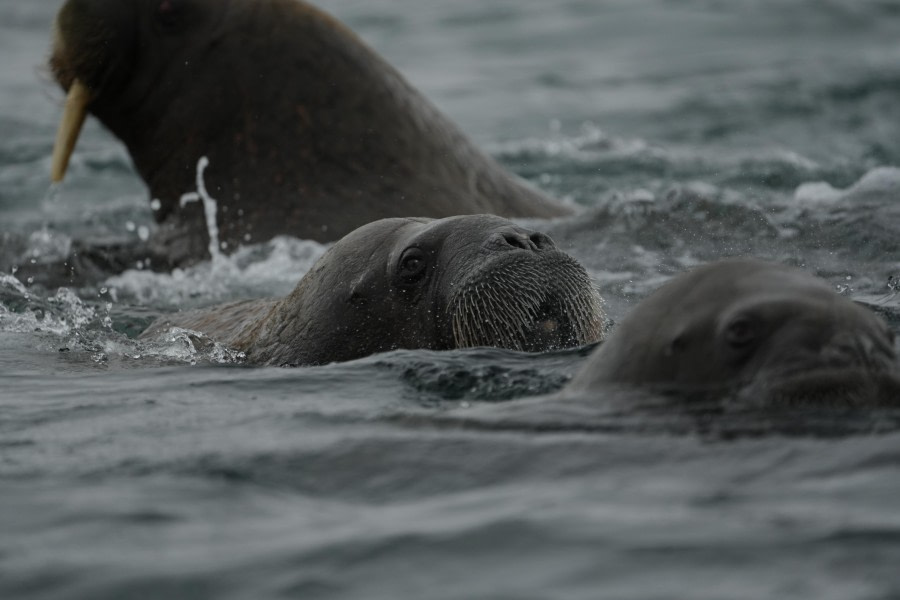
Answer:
(69, 128)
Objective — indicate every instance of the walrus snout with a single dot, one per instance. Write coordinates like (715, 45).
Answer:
(89, 54)
(826, 332)
(91, 38)
(844, 355)
(530, 297)
(849, 349)
(521, 239)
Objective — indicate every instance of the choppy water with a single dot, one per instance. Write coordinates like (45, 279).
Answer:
(687, 130)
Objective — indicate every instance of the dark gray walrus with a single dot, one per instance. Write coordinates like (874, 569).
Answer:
(476, 280)
(777, 334)
(306, 130)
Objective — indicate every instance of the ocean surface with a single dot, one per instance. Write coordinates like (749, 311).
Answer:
(684, 130)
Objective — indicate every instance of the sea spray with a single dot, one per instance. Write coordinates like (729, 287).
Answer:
(271, 268)
(210, 209)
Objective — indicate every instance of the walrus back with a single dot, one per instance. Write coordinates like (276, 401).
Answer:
(224, 323)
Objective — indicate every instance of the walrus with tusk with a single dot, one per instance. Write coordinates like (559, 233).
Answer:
(307, 131)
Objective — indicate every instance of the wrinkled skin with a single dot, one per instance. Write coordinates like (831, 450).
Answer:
(772, 333)
(465, 281)
(308, 132)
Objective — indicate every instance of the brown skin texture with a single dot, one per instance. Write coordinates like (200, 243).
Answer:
(775, 334)
(397, 283)
(308, 132)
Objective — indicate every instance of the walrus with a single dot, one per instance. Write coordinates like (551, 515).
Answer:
(306, 130)
(457, 282)
(772, 333)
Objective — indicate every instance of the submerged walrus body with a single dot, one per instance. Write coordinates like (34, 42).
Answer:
(769, 333)
(458, 282)
(306, 130)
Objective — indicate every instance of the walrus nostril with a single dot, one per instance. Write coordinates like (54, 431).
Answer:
(542, 241)
(517, 239)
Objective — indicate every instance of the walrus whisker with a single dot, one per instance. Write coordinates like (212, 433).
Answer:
(518, 297)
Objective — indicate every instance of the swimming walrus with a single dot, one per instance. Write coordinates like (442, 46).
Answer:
(476, 280)
(774, 333)
(306, 130)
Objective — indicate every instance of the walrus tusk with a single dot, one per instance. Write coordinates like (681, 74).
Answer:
(69, 128)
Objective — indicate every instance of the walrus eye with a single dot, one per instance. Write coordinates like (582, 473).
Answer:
(740, 333)
(412, 265)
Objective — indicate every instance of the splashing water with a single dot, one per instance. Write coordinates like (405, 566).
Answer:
(271, 268)
(190, 346)
(48, 245)
(14, 283)
(67, 324)
(210, 209)
(52, 195)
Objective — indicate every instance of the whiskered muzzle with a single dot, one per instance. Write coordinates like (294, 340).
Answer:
(534, 303)
(851, 369)
(847, 349)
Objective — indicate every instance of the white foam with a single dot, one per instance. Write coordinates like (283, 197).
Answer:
(272, 268)
(817, 192)
(589, 142)
(13, 282)
(880, 182)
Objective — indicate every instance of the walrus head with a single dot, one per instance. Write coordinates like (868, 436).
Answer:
(774, 333)
(138, 66)
(120, 59)
(458, 282)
